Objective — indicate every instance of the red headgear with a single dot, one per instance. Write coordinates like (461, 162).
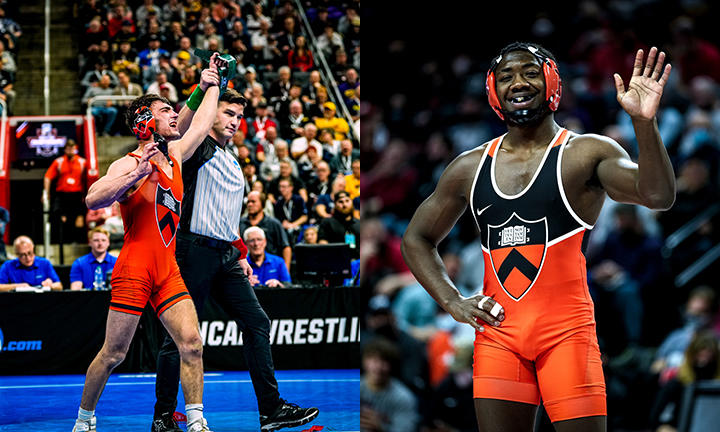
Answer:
(144, 123)
(553, 83)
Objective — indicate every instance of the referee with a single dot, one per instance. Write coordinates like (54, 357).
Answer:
(208, 252)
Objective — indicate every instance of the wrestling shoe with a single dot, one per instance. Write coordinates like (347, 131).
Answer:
(82, 426)
(200, 426)
(287, 415)
(165, 423)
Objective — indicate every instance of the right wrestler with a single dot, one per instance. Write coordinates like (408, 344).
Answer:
(148, 185)
(535, 193)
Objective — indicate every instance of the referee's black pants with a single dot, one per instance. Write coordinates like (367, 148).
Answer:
(214, 269)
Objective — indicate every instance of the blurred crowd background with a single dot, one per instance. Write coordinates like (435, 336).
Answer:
(651, 274)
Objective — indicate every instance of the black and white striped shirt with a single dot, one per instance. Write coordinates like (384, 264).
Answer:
(214, 186)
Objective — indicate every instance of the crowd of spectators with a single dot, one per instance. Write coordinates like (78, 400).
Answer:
(10, 32)
(657, 325)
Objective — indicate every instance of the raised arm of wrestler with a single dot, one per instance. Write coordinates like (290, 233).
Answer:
(649, 182)
(186, 114)
(432, 221)
(126, 172)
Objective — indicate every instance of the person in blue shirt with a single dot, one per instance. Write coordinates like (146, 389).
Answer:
(28, 270)
(268, 269)
(90, 271)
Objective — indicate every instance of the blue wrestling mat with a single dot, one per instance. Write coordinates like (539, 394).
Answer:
(50, 403)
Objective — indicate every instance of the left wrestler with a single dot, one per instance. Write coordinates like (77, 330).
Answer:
(148, 184)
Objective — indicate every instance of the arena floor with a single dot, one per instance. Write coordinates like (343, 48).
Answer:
(50, 403)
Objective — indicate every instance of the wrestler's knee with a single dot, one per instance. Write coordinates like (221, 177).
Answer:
(190, 344)
(112, 355)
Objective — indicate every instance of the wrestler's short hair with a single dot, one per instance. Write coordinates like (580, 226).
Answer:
(523, 46)
(144, 100)
(234, 97)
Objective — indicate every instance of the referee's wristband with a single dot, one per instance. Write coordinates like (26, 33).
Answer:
(195, 98)
(240, 245)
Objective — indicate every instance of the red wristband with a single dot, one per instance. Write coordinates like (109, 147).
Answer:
(240, 245)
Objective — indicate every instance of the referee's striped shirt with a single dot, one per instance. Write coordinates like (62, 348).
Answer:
(214, 186)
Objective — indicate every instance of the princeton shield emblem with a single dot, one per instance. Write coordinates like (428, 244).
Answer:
(517, 252)
(167, 214)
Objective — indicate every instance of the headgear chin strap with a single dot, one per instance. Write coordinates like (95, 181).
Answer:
(553, 90)
(144, 129)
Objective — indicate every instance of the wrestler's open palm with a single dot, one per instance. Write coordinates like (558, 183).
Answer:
(144, 167)
(642, 98)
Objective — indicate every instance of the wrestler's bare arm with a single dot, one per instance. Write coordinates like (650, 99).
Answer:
(121, 176)
(650, 182)
(430, 224)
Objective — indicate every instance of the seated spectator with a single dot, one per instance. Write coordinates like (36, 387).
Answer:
(342, 163)
(127, 33)
(310, 235)
(126, 60)
(150, 56)
(186, 82)
(266, 146)
(329, 121)
(324, 204)
(331, 146)
(280, 88)
(287, 172)
(701, 362)
(185, 53)
(353, 105)
(270, 168)
(265, 46)
(277, 239)
(309, 92)
(161, 81)
(27, 270)
(261, 122)
(293, 126)
(104, 111)
(269, 269)
(329, 41)
(92, 77)
(300, 145)
(350, 82)
(386, 404)
(256, 97)
(699, 311)
(92, 271)
(288, 34)
(307, 162)
(173, 10)
(8, 61)
(343, 227)
(173, 36)
(300, 58)
(316, 109)
(290, 209)
(202, 40)
(119, 13)
(250, 173)
(352, 181)
(340, 65)
(320, 184)
(126, 88)
(281, 107)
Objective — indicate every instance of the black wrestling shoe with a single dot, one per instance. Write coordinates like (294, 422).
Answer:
(165, 423)
(287, 415)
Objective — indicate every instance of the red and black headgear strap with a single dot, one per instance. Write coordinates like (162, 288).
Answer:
(144, 123)
(553, 83)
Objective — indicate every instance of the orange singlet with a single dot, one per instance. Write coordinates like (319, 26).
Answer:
(546, 348)
(146, 268)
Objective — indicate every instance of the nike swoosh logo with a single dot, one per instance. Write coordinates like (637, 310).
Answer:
(479, 212)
